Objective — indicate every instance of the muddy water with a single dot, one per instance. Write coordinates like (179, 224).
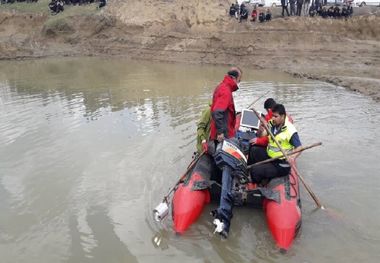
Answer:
(90, 146)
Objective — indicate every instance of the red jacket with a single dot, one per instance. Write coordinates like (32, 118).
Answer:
(223, 109)
(263, 141)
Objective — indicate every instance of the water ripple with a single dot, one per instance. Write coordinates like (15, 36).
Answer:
(85, 159)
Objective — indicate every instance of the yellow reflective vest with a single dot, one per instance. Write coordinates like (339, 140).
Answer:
(283, 138)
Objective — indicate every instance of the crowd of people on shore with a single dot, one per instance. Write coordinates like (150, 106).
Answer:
(345, 11)
(258, 13)
(18, 1)
(57, 6)
(315, 8)
(297, 8)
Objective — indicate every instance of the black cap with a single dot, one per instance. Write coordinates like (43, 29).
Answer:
(269, 103)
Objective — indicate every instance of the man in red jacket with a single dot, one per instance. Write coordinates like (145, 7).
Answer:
(223, 127)
(223, 107)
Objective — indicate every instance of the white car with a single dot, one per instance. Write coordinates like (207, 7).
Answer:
(256, 2)
(272, 3)
(334, 2)
(365, 2)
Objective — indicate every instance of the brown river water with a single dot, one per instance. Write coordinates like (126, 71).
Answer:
(89, 146)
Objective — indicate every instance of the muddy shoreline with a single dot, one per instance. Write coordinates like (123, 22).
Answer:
(341, 52)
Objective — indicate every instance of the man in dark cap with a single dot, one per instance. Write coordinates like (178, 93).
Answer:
(223, 127)
(223, 106)
(262, 141)
(268, 105)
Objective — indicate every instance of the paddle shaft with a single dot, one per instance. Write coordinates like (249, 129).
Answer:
(301, 149)
(184, 175)
(315, 198)
(250, 105)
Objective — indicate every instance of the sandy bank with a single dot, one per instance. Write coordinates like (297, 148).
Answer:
(346, 53)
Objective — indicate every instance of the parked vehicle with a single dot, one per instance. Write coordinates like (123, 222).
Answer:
(334, 2)
(365, 2)
(272, 3)
(255, 2)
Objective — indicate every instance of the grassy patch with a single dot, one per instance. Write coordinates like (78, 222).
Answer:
(42, 6)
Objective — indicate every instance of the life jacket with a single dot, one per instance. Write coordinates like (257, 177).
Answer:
(283, 138)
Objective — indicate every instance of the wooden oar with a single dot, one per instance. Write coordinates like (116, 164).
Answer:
(250, 105)
(301, 149)
(315, 198)
(191, 165)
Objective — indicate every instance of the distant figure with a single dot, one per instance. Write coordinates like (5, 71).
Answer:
(102, 3)
(292, 7)
(232, 10)
(344, 13)
(261, 17)
(336, 12)
(324, 12)
(284, 5)
(243, 13)
(254, 14)
(299, 7)
(350, 10)
(330, 12)
(306, 6)
(318, 6)
(237, 8)
(268, 15)
(56, 6)
(312, 11)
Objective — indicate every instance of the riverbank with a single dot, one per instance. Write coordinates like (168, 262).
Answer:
(342, 52)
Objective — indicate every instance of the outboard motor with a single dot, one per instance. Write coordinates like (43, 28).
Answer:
(229, 154)
(230, 159)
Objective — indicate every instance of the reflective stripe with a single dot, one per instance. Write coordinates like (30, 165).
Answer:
(284, 165)
(273, 148)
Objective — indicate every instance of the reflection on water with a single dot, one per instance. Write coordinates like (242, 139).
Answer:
(90, 146)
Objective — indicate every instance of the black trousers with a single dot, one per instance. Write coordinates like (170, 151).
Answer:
(299, 9)
(285, 8)
(270, 170)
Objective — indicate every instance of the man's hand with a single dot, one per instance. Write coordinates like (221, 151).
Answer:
(295, 156)
(220, 137)
(204, 146)
(253, 141)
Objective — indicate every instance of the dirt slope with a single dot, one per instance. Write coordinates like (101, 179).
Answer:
(346, 53)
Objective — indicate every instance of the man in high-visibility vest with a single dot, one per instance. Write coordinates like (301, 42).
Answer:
(286, 135)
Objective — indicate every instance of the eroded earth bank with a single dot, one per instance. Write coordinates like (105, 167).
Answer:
(343, 52)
